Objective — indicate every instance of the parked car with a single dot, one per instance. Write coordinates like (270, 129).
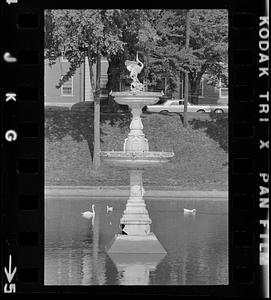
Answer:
(222, 108)
(177, 106)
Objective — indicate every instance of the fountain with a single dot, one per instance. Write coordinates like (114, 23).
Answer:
(136, 157)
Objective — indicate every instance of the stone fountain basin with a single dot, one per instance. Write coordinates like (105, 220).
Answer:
(133, 160)
(139, 98)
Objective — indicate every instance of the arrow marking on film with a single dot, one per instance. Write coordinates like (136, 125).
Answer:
(10, 274)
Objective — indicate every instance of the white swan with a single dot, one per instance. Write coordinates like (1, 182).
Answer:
(89, 214)
(189, 211)
(109, 208)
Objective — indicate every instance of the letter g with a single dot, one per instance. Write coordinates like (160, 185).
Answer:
(11, 135)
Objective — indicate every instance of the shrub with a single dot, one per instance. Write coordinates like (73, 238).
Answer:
(216, 128)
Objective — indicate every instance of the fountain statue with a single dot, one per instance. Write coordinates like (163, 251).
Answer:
(136, 157)
(135, 67)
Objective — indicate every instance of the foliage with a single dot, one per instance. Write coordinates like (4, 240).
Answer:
(137, 33)
(112, 33)
(207, 46)
(216, 128)
(218, 75)
(159, 35)
(78, 33)
(107, 32)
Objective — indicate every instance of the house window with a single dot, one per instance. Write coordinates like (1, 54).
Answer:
(223, 91)
(67, 88)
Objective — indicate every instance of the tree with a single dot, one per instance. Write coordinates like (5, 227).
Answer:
(115, 34)
(207, 47)
(78, 33)
(187, 40)
(208, 44)
(160, 52)
(137, 34)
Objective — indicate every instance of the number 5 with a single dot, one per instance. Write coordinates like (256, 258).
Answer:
(9, 288)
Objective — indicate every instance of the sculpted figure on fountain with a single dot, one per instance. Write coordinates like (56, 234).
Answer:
(135, 67)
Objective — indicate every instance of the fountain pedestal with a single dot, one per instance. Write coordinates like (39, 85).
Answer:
(136, 217)
(136, 157)
(140, 244)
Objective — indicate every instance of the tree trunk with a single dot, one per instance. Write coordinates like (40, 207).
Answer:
(91, 77)
(185, 121)
(90, 148)
(195, 87)
(92, 84)
(113, 81)
(113, 74)
(146, 70)
(97, 135)
(187, 39)
(195, 84)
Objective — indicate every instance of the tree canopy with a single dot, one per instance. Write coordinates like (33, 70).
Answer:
(207, 51)
(106, 32)
(158, 34)
(78, 33)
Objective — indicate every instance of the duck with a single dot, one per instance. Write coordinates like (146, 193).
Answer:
(109, 208)
(189, 211)
(89, 214)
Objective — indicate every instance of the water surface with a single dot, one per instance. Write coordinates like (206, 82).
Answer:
(196, 245)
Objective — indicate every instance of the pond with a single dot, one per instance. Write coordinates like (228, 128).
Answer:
(196, 245)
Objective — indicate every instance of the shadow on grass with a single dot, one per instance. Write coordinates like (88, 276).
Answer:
(78, 122)
(216, 128)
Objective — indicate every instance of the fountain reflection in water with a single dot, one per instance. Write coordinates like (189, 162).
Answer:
(135, 157)
(134, 269)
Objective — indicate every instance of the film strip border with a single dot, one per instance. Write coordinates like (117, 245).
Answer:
(249, 145)
(22, 205)
(22, 138)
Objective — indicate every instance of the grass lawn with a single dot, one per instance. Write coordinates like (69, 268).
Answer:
(199, 163)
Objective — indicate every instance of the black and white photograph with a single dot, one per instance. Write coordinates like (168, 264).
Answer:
(136, 147)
